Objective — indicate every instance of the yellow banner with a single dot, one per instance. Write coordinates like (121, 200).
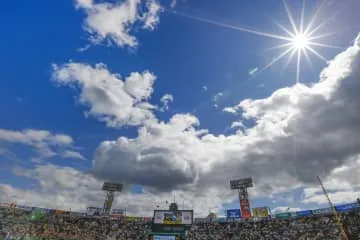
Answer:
(260, 212)
(130, 218)
(172, 222)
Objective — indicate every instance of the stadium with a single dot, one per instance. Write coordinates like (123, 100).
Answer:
(180, 120)
(30, 222)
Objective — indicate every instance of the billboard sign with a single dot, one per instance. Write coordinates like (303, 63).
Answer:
(321, 211)
(304, 213)
(347, 207)
(173, 217)
(260, 212)
(117, 212)
(110, 186)
(233, 213)
(240, 183)
(93, 211)
(169, 229)
(282, 215)
(245, 208)
(159, 237)
(4, 204)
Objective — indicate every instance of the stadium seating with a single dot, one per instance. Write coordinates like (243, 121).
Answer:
(20, 224)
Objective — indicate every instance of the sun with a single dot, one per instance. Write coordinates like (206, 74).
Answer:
(300, 41)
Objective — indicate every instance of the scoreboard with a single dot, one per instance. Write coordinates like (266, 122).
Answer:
(182, 217)
(172, 223)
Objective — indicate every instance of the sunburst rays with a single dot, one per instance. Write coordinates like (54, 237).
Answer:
(298, 41)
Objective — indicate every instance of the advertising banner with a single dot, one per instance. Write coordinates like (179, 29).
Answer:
(118, 211)
(3, 204)
(347, 207)
(77, 214)
(233, 213)
(282, 215)
(321, 211)
(59, 212)
(304, 213)
(157, 237)
(260, 212)
(173, 229)
(93, 211)
(131, 218)
(173, 217)
(201, 220)
(245, 209)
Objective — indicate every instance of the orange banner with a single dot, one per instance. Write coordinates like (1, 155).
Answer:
(245, 209)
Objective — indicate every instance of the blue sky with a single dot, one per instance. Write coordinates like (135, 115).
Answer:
(203, 66)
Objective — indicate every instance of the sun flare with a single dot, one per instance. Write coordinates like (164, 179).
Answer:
(300, 41)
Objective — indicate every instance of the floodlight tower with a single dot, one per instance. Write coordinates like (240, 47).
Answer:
(242, 185)
(110, 189)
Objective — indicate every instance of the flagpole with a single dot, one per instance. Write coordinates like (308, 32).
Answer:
(337, 217)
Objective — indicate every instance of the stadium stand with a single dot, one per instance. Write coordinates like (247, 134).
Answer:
(34, 223)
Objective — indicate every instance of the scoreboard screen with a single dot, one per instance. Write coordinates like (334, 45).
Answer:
(182, 217)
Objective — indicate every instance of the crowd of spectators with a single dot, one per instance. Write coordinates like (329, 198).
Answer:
(305, 228)
(16, 224)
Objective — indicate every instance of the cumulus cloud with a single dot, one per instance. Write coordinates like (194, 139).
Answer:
(298, 134)
(65, 188)
(151, 17)
(45, 143)
(113, 22)
(166, 100)
(110, 99)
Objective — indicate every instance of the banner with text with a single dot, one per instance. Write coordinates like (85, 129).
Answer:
(304, 213)
(233, 213)
(245, 208)
(347, 207)
(173, 217)
(260, 212)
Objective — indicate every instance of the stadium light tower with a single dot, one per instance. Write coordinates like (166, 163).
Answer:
(110, 189)
(242, 185)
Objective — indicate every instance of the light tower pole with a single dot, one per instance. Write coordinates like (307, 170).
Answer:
(110, 189)
(241, 185)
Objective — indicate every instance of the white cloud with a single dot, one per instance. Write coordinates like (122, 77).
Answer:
(166, 100)
(283, 150)
(173, 3)
(33, 137)
(298, 133)
(151, 17)
(204, 88)
(45, 143)
(114, 21)
(65, 187)
(110, 99)
(84, 3)
(217, 96)
(72, 154)
(238, 124)
(232, 110)
(281, 209)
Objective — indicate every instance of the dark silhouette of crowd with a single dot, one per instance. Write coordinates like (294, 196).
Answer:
(15, 224)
